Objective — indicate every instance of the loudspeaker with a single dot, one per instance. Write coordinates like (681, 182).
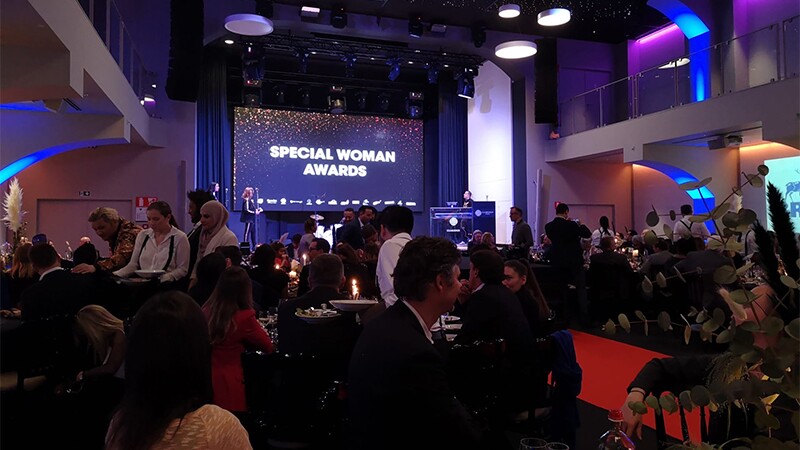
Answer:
(546, 79)
(185, 49)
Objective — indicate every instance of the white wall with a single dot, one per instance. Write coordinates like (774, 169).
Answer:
(490, 145)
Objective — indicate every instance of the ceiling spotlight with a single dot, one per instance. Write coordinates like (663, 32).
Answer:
(677, 63)
(433, 72)
(478, 35)
(153, 86)
(253, 66)
(509, 11)
(337, 103)
(302, 59)
(466, 83)
(415, 27)
(553, 17)
(305, 95)
(384, 101)
(309, 12)
(414, 104)
(248, 24)
(229, 41)
(280, 93)
(515, 49)
(338, 17)
(438, 28)
(394, 72)
(349, 65)
(361, 99)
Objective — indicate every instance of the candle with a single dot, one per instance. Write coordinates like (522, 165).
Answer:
(277, 267)
(304, 259)
(635, 253)
(355, 290)
(292, 274)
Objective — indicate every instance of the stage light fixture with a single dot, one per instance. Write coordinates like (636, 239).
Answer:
(466, 83)
(361, 99)
(394, 71)
(338, 17)
(302, 59)
(384, 101)
(309, 12)
(509, 11)
(349, 65)
(553, 17)
(439, 28)
(415, 27)
(433, 72)
(252, 98)
(337, 103)
(305, 95)
(478, 35)
(280, 93)
(253, 66)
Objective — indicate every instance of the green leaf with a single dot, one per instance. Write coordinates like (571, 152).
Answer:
(652, 402)
(763, 170)
(701, 316)
(668, 403)
(725, 275)
(772, 325)
(610, 327)
(755, 180)
(699, 218)
(647, 285)
(730, 219)
(640, 315)
(750, 326)
(692, 311)
(743, 297)
(724, 337)
(686, 401)
(668, 231)
(764, 420)
(652, 219)
(789, 282)
(793, 329)
(715, 244)
(741, 270)
(647, 329)
(719, 315)
(720, 210)
(638, 407)
(680, 275)
(772, 366)
(650, 238)
(742, 341)
(711, 325)
(732, 246)
(687, 334)
(624, 323)
(752, 357)
(746, 216)
(661, 280)
(700, 396)
(664, 321)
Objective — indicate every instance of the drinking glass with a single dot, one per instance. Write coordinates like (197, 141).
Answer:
(556, 446)
(532, 444)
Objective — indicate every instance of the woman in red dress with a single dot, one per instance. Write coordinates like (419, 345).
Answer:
(232, 326)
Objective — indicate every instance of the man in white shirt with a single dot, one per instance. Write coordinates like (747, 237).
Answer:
(683, 227)
(396, 225)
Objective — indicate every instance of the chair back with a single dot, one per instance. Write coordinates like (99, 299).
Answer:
(46, 347)
(476, 374)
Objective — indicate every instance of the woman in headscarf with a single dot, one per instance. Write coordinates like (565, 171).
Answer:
(213, 219)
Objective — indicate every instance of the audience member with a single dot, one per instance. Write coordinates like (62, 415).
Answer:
(233, 258)
(197, 199)
(477, 236)
(293, 248)
(275, 281)
(488, 240)
(519, 279)
(398, 392)
(208, 270)
(161, 246)
(120, 235)
(20, 277)
(347, 216)
(332, 341)
(657, 260)
(281, 256)
(370, 234)
(603, 231)
(521, 235)
(566, 255)
(351, 232)
(85, 254)
(683, 227)
(309, 228)
(609, 256)
(168, 387)
(318, 247)
(213, 219)
(232, 327)
(396, 225)
(354, 270)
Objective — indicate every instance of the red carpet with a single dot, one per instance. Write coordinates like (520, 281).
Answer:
(609, 366)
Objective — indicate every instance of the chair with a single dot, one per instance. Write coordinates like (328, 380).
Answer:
(477, 373)
(611, 290)
(46, 347)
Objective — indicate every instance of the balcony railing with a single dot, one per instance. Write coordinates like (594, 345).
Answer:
(761, 57)
(108, 23)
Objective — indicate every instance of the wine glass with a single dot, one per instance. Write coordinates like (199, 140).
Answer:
(532, 444)
(556, 446)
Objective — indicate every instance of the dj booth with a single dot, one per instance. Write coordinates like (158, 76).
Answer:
(457, 223)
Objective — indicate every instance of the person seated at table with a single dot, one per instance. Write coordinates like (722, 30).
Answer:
(333, 341)
(275, 281)
(398, 393)
(320, 246)
(519, 279)
(21, 275)
(120, 235)
(233, 258)
(168, 388)
(197, 199)
(207, 270)
(609, 256)
(370, 234)
(477, 236)
(293, 248)
(490, 311)
(487, 239)
(102, 381)
(85, 254)
(355, 270)
(603, 231)
(57, 292)
(162, 246)
(215, 233)
(281, 259)
(232, 327)
(658, 260)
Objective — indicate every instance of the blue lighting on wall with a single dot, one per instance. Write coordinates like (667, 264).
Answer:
(699, 40)
(26, 161)
(700, 197)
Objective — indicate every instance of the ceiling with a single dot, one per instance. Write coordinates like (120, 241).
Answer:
(610, 21)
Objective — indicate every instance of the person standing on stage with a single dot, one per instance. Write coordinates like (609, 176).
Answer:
(467, 199)
(248, 217)
(213, 189)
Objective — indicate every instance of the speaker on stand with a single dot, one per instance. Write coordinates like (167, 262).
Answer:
(546, 79)
(185, 50)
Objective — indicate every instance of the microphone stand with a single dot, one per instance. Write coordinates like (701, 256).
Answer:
(255, 220)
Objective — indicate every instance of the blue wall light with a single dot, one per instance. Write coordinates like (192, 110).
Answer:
(700, 197)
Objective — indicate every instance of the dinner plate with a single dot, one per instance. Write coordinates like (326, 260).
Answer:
(453, 326)
(353, 305)
(150, 273)
(318, 319)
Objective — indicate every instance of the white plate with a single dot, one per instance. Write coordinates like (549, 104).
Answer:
(150, 273)
(452, 326)
(318, 319)
(451, 318)
(353, 305)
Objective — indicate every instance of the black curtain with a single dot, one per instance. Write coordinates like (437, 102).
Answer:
(214, 154)
(452, 143)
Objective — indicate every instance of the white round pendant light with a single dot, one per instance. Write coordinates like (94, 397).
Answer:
(553, 17)
(509, 11)
(515, 49)
(248, 24)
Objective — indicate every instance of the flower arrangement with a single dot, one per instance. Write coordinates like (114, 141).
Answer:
(14, 214)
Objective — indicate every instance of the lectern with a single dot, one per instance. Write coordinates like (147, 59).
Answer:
(454, 224)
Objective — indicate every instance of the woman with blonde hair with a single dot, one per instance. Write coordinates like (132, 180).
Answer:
(232, 326)
(106, 337)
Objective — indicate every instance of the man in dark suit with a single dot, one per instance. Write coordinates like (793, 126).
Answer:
(608, 256)
(351, 233)
(566, 255)
(521, 235)
(611, 279)
(493, 312)
(332, 341)
(57, 292)
(399, 396)
(318, 246)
